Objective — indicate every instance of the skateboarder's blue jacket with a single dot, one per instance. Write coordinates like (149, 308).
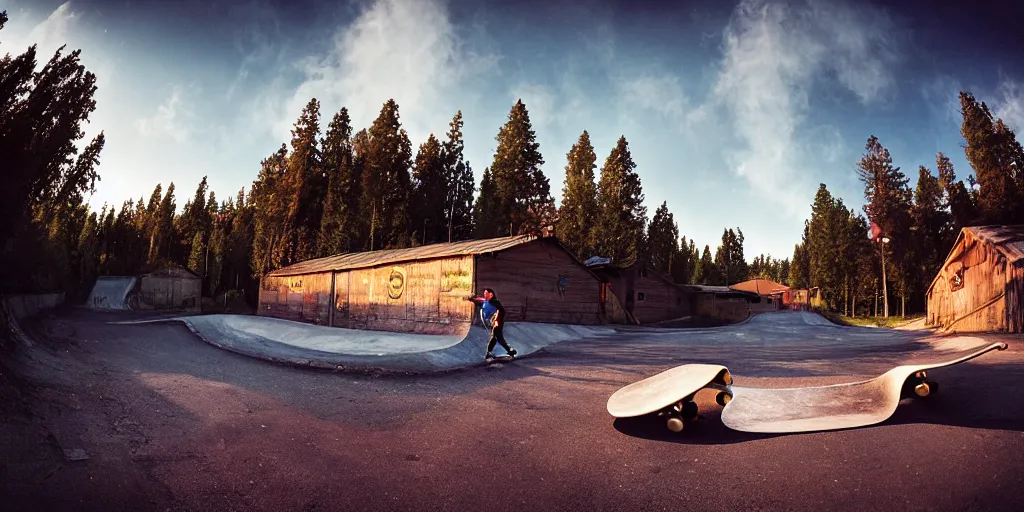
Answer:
(487, 309)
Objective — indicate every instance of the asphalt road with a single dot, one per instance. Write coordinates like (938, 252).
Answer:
(171, 423)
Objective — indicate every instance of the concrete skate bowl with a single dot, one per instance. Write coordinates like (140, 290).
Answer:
(112, 293)
(355, 350)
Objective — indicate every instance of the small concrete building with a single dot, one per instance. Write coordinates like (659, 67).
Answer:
(980, 286)
(424, 289)
(645, 295)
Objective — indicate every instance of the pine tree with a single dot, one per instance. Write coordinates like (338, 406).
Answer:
(430, 193)
(197, 258)
(729, 258)
(460, 184)
(800, 267)
(162, 236)
(387, 185)
(486, 212)
(710, 273)
(305, 187)
(269, 206)
(932, 229)
(525, 204)
(888, 206)
(662, 240)
(216, 258)
(619, 231)
(578, 212)
(958, 202)
(339, 230)
(996, 156)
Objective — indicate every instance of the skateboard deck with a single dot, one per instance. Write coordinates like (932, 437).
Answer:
(669, 394)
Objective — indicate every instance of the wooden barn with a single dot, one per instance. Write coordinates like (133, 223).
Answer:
(722, 303)
(980, 287)
(423, 289)
(170, 287)
(645, 295)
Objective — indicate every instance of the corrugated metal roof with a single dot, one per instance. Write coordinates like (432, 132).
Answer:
(356, 260)
(1008, 240)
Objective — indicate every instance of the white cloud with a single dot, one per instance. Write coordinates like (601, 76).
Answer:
(655, 92)
(407, 50)
(173, 118)
(942, 95)
(1009, 105)
(774, 53)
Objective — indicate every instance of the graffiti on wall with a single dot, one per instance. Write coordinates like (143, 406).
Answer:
(456, 280)
(396, 283)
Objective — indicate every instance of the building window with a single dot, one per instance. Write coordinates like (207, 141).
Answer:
(640, 296)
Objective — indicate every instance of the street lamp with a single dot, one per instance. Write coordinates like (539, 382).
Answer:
(885, 293)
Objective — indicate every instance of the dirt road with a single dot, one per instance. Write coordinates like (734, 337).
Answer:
(171, 423)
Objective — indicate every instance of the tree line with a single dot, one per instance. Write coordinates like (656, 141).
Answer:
(345, 190)
(911, 230)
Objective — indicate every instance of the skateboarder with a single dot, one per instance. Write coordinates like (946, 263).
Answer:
(494, 312)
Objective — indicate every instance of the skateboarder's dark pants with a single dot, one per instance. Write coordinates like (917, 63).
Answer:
(497, 336)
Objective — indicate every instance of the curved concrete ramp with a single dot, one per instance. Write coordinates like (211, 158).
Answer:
(358, 350)
(111, 292)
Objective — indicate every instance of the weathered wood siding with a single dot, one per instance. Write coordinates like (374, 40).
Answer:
(422, 297)
(729, 310)
(980, 304)
(170, 288)
(1015, 298)
(527, 281)
(661, 301)
(305, 298)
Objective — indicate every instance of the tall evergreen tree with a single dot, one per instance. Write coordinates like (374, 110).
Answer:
(486, 212)
(162, 237)
(430, 193)
(387, 185)
(888, 206)
(269, 207)
(998, 161)
(578, 212)
(339, 232)
(729, 258)
(662, 240)
(619, 231)
(305, 187)
(710, 273)
(956, 198)
(460, 184)
(523, 193)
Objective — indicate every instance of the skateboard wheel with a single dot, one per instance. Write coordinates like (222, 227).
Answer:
(690, 410)
(723, 398)
(933, 387)
(675, 424)
(921, 375)
(726, 378)
(922, 389)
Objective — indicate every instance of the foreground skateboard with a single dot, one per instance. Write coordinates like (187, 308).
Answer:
(669, 395)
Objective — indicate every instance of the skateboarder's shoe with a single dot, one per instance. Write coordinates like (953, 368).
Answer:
(489, 356)
(512, 352)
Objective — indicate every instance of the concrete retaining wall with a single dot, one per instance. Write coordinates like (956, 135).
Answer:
(24, 306)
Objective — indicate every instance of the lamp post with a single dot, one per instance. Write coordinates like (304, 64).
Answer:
(885, 292)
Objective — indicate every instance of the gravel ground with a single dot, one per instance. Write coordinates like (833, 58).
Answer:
(168, 422)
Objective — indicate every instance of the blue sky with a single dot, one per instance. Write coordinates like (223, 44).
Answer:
(734, 111)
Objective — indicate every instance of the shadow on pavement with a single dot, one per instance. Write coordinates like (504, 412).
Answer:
(970, 396)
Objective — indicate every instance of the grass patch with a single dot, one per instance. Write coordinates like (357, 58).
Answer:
(870, 321)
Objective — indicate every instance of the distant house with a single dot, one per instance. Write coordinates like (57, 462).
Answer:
(722, 302)
(980, 286)
(424, 289)
(770, 293)
(645, 294)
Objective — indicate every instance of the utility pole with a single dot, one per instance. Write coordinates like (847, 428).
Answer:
(885, 292)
